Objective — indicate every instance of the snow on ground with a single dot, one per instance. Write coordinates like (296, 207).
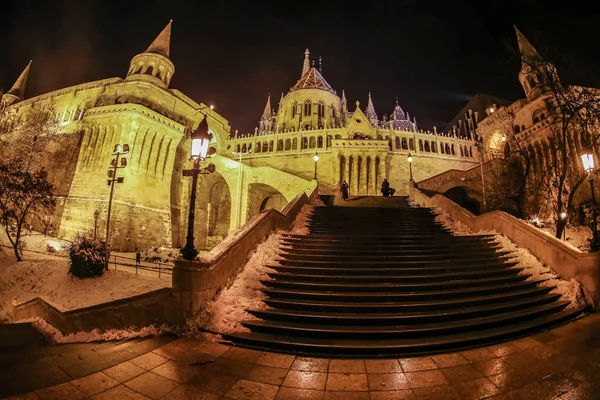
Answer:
(47, 277)
(571, 291)
(577, 237)
(228, 309)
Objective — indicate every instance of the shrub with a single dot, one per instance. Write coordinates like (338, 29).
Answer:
(87, 256)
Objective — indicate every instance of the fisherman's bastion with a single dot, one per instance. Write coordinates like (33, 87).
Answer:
(312, 120)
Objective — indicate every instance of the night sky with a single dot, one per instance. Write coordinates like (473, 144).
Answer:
(432, 58)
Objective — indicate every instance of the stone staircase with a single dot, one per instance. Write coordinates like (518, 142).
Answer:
(385, 280)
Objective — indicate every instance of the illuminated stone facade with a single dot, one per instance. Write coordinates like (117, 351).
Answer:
(357, 146)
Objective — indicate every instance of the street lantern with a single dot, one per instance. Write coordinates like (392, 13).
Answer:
(410, 160)
(120, 150)
(316, 158)
(587, 159)
(201, 139)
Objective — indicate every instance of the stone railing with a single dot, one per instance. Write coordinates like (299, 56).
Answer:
(136, 311)
(566, 261)
(197, 281)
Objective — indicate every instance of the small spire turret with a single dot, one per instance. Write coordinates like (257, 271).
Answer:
(17, 91)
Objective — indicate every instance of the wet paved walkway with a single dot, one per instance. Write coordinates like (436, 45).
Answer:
(563, 363)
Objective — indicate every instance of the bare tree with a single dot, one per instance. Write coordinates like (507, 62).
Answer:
(22, 193)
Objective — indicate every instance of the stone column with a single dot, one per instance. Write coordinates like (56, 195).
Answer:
(372, 178)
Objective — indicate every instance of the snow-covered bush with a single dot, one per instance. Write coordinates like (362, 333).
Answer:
(87, 256)
(159, 255)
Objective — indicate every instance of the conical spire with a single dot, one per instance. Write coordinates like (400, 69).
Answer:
(267, 112)
(162, 43)
(370, 108)
(18, 89)
(306, 65)
(528, 52)
(344, 101)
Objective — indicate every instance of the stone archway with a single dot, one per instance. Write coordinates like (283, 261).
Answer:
(213, 211)
(263, 197)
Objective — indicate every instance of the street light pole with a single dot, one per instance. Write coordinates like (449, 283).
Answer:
(410, 160)
(238, 209)
(316, 158)
(112, 174)
(96, 215)
(587, 158)
(479, 146)
(201, 139)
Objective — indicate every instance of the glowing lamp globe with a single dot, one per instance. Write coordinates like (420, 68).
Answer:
(409, 158)
(588, 161)
(316, 157)
(201, 138)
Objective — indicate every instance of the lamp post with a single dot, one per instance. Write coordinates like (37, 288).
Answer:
(316, 158)
(479, 145)
(563, 216)
(96, 215)
(239, 186)
(587, 159)
(201, 138)
(115, 164)
(410, 159)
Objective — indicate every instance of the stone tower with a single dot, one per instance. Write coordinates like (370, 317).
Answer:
(535, 73)
(17, 91)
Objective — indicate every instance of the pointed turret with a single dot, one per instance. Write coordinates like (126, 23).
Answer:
(17, 91)
(306, 65)
(370, 113)
(162, 44)
(154, 64)
(535, 72)
(266, 121)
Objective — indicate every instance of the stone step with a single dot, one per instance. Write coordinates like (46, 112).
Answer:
(481, 261)
(401, 257)
(391, 250)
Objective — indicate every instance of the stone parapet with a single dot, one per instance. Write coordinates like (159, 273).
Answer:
(566, 261)
(197, 281)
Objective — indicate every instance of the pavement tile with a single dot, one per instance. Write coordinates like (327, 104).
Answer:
(264, 374)
(225, 366)
(417, 364)
(275, 360)
(184, 392)
(393, 381)
(525, 343)
(241, 354)
(175, 371)
(492, 367)
(346, 382)
(25, 396)
(461, 373)
(149, 360)
(476, 389)
(311, 364)
(306, 380)
(290, 393)
(522, 359)
(212, 383)
(407, 394)
(342, 395)
(120, 393)
(124, 371)
(449, 360)
(94, 383)
(61, 392)
(248, 390)
(420, 379)
(382, 366)
(443, 392)
(478, 354)
(347, 366)
(504, 349)
(151, 385)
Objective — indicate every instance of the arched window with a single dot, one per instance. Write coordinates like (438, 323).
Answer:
(321, 109)
(280, 145)
(535, 119)
(306, 127)
(307, 107)
(328, 140)
(250, 147)
(265, 147)
(462, 153)
(398, 145)
(542, 116)
(517, 129)
(453, 152)
(427, 148)
(238, 148)
(150, 71)
(288, 144)
(304, 143)
(244, 148)
(271, 145)
(294, 107)
(320, 142)
(522, 128)
(433, 149)
(294, 144)
(338, 137)
(442, 148)
(448, 149)
(420, 145)
(404, 144)
(258, 147)
(470, 152)
(312, 142)
(411, 144)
